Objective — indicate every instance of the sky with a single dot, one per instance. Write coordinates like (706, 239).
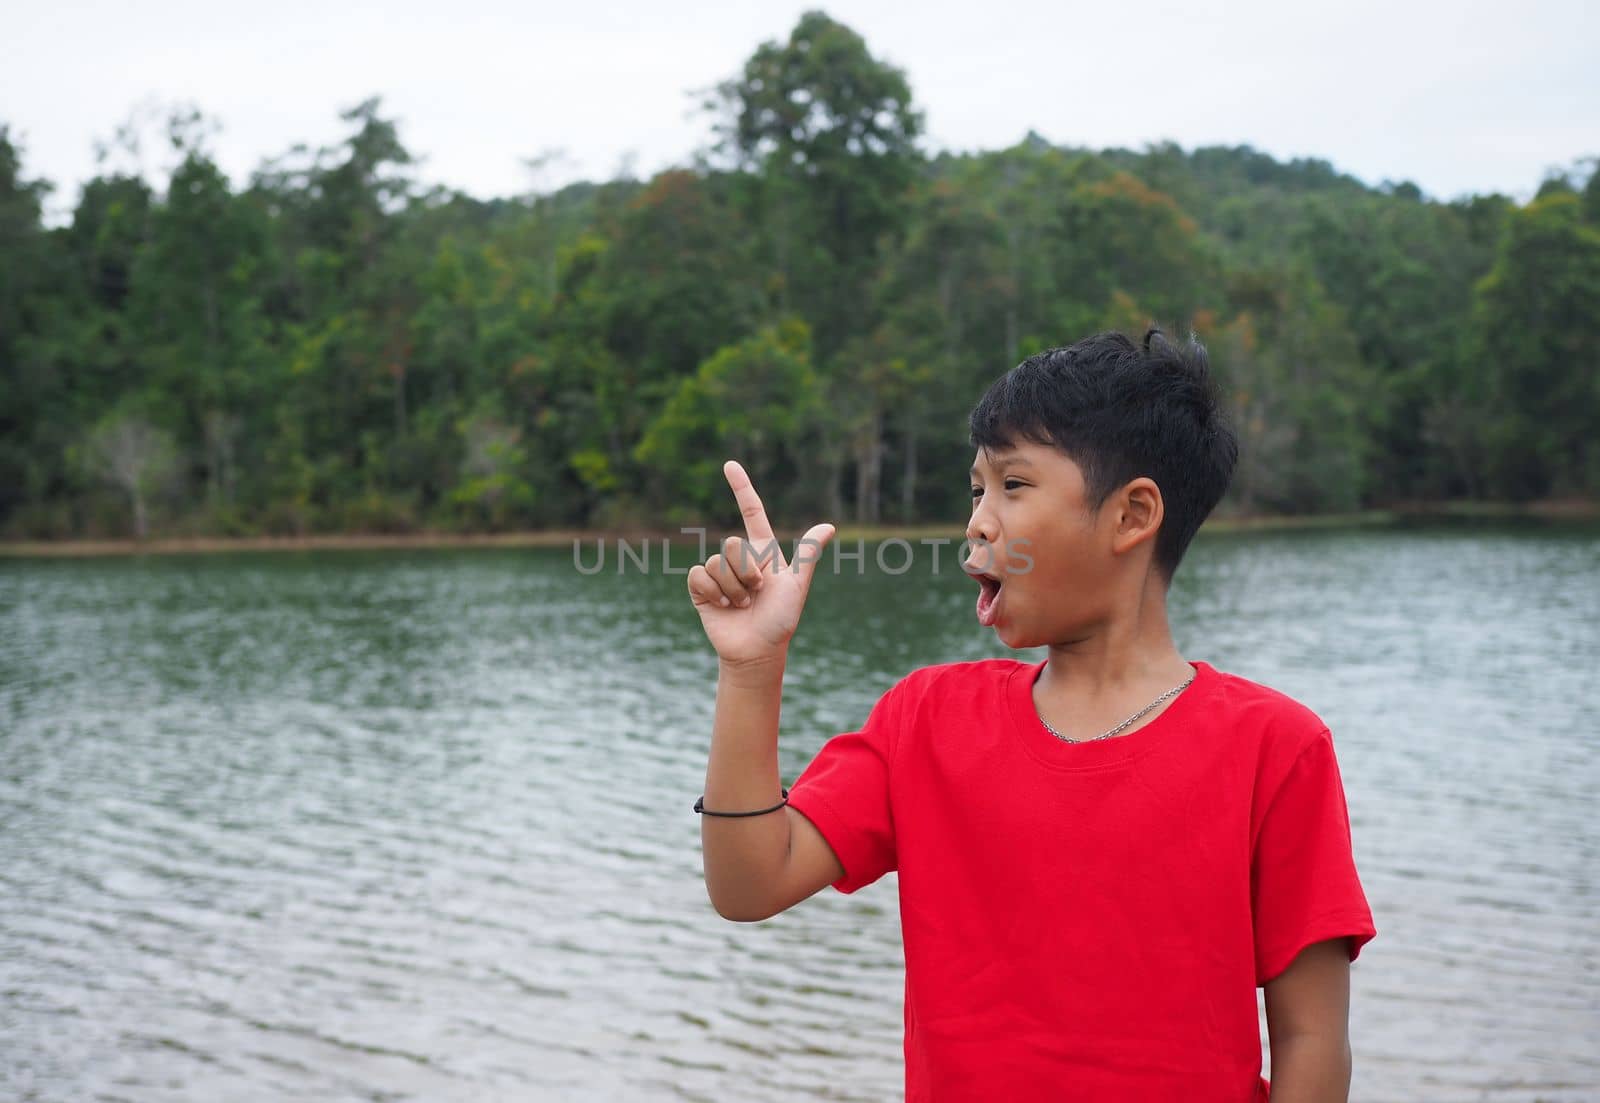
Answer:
(1457, 98)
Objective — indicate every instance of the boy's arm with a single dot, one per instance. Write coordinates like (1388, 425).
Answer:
(1308, 1020)
(1310, 920)
(755, 866)
(749, 598)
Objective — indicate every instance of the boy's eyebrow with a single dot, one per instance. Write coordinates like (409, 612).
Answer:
(1013, 461)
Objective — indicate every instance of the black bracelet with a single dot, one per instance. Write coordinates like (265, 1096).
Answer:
(699, 806)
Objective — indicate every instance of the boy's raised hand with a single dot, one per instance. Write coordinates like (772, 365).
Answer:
(748, 596)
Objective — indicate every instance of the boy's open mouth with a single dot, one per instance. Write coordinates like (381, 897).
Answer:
(988, 600)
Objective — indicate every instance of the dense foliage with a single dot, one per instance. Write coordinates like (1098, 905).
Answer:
(335, 348)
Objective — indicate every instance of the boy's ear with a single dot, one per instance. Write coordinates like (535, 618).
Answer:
(1140, 513)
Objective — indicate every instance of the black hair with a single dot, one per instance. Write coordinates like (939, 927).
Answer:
(1121, 411)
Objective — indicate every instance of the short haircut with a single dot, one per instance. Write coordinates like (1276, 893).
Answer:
(1121, 411)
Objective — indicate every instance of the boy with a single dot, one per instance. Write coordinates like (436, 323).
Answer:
(1101, 855)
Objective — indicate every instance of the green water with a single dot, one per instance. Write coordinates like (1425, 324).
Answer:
(417, 824)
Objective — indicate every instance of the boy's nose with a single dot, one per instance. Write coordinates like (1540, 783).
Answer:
(980, 533)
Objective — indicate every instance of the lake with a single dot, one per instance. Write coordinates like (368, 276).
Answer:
(416, 824)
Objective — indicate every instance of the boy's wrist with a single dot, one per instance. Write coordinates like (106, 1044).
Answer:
(753, 673)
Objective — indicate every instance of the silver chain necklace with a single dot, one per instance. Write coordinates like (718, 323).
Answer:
(1125, 723)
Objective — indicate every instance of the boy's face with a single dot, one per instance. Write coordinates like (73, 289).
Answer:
(1028, 504)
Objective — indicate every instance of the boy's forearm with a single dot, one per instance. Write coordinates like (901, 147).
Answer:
(1311, 1068)
(745, 855)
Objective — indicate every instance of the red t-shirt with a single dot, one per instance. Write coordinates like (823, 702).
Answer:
(1090, 920)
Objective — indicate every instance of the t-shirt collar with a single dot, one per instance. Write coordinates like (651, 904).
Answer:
(1174, 716)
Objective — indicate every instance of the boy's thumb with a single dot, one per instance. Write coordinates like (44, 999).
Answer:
(808, 552)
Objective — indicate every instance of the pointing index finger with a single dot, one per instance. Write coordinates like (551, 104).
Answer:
(750, 507)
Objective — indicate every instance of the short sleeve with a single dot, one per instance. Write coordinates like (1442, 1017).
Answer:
(845, 793)
(1303, 882)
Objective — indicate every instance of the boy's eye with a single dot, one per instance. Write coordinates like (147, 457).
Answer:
(1011, 484)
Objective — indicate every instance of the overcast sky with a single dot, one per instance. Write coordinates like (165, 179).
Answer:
(1458, 97)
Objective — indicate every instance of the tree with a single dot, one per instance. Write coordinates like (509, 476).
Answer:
(25, 391)
(831, 133)
(335, 347)
(1298, 394)
(492, 489)
(1535, 347)
(136, 457)
(759, 400)
(1122, 236)
(1021, 190)
(1591, 194)
(939, 300)
(344, 312)
(1403, 272)
(195, 308)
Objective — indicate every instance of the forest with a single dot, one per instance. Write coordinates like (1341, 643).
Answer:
(335, 348)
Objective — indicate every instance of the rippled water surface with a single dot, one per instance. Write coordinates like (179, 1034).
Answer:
(417, 825)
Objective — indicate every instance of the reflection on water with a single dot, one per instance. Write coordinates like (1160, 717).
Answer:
(416, 825)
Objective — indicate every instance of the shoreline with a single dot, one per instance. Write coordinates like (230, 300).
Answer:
(1550, 510)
